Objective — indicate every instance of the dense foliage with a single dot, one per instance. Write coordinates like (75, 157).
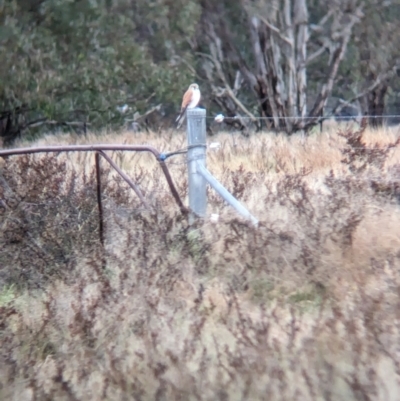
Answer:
(72, 63)
(76, 61)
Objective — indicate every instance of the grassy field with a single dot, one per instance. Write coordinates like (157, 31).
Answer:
(304, 307)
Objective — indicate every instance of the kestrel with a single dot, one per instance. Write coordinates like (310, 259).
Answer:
(190, 100)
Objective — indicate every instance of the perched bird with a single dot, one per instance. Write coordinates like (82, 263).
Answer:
(190, 100)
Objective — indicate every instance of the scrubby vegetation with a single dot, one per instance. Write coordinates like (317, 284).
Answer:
(306, 306)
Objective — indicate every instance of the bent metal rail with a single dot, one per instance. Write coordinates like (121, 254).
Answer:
(100, 150)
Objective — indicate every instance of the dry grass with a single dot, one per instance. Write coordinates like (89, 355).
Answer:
(304, 307)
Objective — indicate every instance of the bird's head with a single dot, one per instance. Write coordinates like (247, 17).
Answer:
(194, 87)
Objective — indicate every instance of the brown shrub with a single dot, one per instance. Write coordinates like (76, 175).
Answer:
(304, 306)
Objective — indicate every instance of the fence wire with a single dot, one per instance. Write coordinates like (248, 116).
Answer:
(325, 117)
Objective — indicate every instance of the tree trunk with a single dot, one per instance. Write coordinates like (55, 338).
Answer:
(376, 105)
(301, 13)
(279, 34)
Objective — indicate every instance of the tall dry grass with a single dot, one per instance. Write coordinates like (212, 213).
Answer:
(306, 306)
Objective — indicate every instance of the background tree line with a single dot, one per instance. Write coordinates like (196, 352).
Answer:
(72, 64)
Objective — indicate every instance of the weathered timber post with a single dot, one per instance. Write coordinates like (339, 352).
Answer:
(196, 137)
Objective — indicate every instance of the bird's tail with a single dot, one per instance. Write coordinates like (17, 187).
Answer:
(180, 120)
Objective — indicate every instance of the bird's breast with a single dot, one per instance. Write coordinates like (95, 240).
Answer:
(195, 99)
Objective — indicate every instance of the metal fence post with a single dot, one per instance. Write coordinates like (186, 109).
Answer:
(99, 201)
(196, 138)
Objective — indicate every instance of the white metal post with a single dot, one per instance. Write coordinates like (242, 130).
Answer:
(196, 138)
(225, 194)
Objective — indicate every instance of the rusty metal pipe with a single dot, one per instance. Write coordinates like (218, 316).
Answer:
(172, 188)
(126, 178)
(99, 201)
(79, 148)
(101, 148)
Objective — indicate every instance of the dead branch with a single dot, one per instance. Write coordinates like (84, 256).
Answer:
(276, 30)
(336, 58)
(378, 81)
(228, 89)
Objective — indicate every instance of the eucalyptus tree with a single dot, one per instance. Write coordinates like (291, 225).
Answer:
(256, 54)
